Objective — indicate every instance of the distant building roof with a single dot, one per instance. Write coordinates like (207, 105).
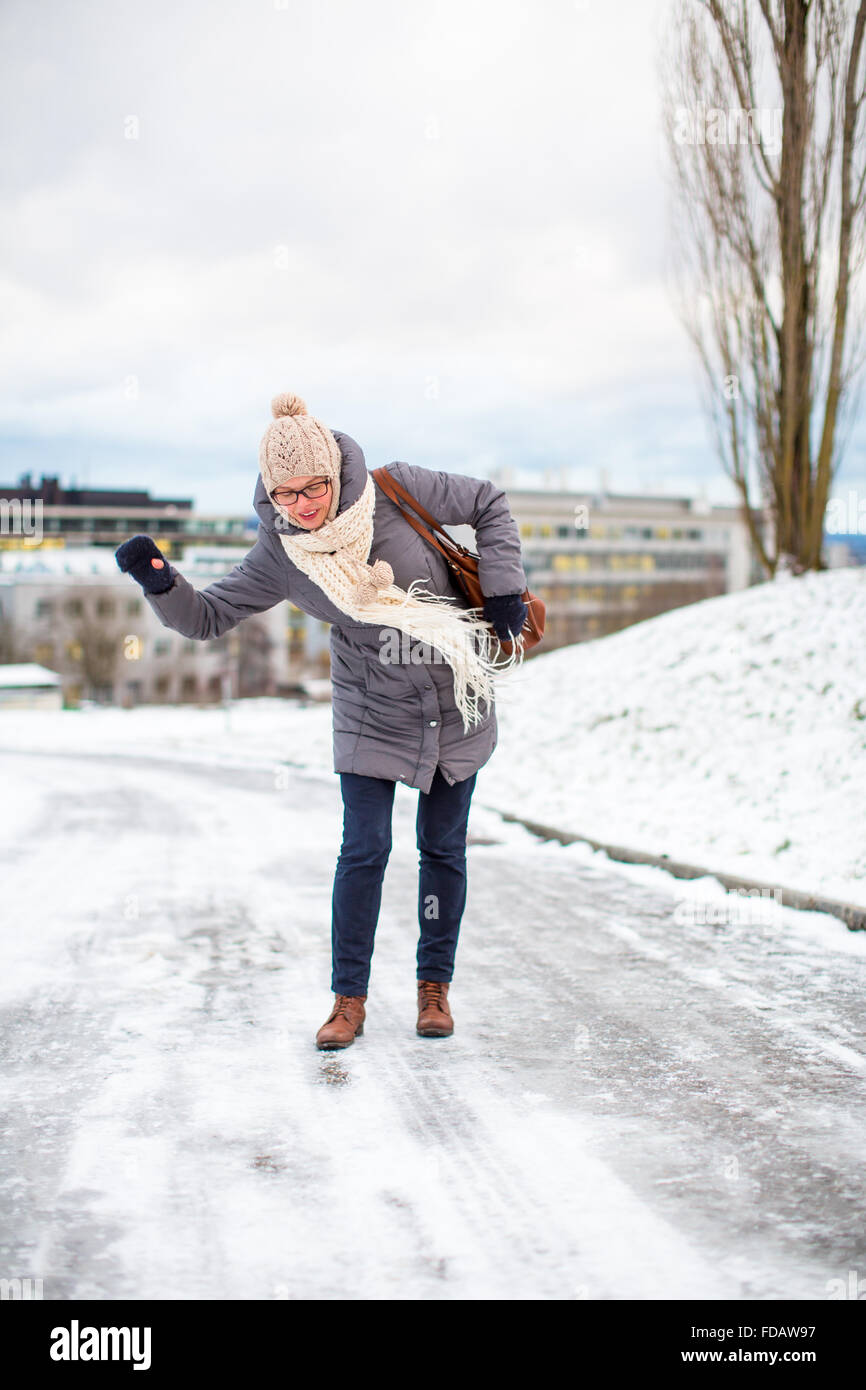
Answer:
(27, 674)
(50, 492)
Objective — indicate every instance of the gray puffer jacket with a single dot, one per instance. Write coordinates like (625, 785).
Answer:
(391, 719)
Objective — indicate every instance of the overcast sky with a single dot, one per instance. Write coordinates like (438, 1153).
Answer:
(442, 224)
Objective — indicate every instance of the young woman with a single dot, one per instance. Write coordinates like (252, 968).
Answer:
(412, 670)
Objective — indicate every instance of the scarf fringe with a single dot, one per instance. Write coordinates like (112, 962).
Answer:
(463, 636)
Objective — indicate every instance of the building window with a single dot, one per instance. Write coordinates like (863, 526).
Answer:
(162, 646)
(105, 607)
(43, 653)
(44, 608)
(73, 608)
(133, 607)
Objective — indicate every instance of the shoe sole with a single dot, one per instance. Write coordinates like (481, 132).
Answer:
(434, 1032)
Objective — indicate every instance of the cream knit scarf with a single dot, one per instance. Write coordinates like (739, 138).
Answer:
(335, 557)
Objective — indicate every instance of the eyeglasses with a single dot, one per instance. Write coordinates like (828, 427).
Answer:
(287, 498)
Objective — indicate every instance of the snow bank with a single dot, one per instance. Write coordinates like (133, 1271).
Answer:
(731, 733)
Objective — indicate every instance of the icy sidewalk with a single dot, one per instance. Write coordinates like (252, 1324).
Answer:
(629, 1108)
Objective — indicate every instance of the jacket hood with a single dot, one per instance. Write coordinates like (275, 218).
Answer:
(353, 480)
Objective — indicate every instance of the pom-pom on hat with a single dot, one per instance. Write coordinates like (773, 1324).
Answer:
(297, 445)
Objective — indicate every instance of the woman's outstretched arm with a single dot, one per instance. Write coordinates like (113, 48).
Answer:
(257, 583)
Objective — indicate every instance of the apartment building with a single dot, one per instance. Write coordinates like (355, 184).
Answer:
(603, 561)
(76, 614)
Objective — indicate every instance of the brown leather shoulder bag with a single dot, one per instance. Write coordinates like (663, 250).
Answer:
(462, 562)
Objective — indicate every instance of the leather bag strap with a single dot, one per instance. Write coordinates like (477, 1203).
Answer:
(398, 493)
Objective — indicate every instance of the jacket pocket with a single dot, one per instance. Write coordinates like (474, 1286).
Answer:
(392, 704)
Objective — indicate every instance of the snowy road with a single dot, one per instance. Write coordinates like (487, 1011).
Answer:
(629, 1108)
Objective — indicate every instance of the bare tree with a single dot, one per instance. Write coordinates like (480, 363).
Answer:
(11, 648)
(255, 661)
(96, 650)
(764, 112)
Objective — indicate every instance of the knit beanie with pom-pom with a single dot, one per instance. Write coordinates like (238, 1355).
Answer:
(296, 445)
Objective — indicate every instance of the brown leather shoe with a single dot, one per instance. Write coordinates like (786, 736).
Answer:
(434, 1015)
(345, 1024)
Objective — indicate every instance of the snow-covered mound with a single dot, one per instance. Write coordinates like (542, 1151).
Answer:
(730, 733)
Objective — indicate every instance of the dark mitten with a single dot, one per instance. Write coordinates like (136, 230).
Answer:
(136, 557)
(507, 613)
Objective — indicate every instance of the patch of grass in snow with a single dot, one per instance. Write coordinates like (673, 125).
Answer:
(606, 719)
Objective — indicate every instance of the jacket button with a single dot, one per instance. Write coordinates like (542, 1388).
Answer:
(433, 723)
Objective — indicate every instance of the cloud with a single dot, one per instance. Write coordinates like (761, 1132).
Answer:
(442, 224)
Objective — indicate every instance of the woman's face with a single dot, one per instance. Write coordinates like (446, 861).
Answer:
(308, 512)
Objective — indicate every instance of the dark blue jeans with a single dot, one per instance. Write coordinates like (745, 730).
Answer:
(440, 828)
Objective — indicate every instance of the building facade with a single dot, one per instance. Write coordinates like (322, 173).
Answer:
(109, 516)
(603, 561)
(76, 614)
